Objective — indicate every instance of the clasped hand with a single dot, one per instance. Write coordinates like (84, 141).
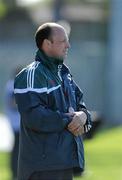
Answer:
(77, 123)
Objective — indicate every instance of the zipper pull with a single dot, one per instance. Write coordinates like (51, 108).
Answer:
(59, 71)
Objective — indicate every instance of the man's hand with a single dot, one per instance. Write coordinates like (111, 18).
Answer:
(77, 123)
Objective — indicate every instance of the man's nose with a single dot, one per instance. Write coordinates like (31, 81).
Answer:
(68, 44)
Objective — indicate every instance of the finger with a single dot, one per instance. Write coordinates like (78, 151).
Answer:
(74, 133)
(75, 129)
(80, 130)
(73, 126)
(79, 120)
(74, 123)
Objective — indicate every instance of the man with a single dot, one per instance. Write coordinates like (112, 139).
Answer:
(53, 114)
(14, 119)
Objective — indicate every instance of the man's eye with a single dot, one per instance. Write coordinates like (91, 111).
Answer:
(65, 40)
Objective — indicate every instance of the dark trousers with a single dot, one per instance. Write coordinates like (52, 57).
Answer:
(53, 175)
(14, 156)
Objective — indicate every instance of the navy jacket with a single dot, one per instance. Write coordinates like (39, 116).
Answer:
(44, 91)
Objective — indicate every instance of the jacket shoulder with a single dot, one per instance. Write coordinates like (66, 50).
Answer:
(30, 77)
(20, 79)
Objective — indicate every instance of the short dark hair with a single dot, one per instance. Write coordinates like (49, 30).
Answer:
(43, 32)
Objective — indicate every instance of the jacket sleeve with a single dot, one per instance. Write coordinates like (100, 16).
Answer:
(33, 107)
(82, 107)
(39, 117)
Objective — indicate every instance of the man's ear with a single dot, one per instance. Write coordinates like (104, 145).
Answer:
(47, 42)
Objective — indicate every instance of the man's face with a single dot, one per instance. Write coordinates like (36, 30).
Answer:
(59, 43)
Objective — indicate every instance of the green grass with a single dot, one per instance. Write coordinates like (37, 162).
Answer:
(5, 173)
(3, 9)
(103, 156)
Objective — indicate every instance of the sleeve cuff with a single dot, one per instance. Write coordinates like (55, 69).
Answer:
(66, 119)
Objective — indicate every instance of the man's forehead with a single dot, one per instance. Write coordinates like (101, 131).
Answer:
(57, 31)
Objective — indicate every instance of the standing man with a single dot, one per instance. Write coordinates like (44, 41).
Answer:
(53, 114)
(14, 119)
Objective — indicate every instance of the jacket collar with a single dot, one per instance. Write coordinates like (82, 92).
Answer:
(50, 62)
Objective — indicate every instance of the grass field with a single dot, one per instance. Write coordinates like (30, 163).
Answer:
(103, 157)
